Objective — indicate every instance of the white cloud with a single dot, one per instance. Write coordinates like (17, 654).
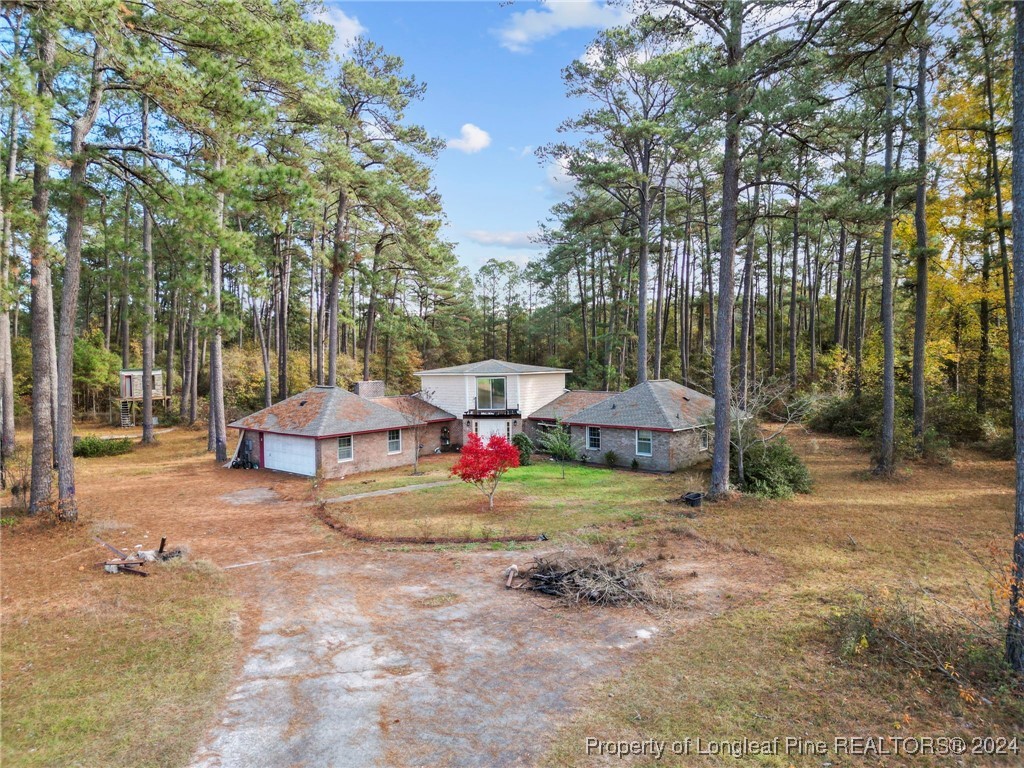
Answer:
(503, 239)
(471, 139)
(530, 26)
(346, 28)
(557, 181)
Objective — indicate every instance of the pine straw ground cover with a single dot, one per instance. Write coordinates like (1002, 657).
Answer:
(108, 670)
(864, 562)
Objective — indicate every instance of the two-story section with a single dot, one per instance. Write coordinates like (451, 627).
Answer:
(491, 397)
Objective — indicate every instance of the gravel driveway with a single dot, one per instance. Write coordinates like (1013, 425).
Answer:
(410, 659)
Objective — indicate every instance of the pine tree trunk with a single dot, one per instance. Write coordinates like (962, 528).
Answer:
(285, 255)
(217, 415)
(1015, 625)
(193, 398)
(150, 301)
(887, 433)
(67, 505)
(722, 384)
(172, 341)
(42, 300)
(338, 269)
(7, 428)
(921, 255)
(837, 330)
(186, 368)
(747, 291)
(792, 279)
(659, 305)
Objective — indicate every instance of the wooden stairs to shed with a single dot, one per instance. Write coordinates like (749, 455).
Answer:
(127, 417)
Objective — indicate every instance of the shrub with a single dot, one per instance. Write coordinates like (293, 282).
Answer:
(92, 447)
(611, 458)
(773, 470)
(1000, 447)
(955, 418)
(848, 416)
(524, 445)
(634, 465)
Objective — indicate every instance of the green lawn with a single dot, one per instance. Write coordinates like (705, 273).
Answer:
(530, 500)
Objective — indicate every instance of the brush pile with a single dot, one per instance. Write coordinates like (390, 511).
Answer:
(587, 578)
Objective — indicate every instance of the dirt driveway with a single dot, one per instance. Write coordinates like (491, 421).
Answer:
(369, 658)
(361, 656)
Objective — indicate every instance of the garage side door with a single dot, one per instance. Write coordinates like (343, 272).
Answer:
(290, 454)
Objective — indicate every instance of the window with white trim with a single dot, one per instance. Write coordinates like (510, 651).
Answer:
(394, 441)
(345, 448)
(490, 394)
(593, 438)
(705, 439)
(644, 442)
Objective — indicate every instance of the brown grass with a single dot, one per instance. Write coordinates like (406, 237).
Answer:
(771, 667)
(103, 669)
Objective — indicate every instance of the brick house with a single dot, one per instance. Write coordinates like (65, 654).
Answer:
(333, 432)
(660, 424)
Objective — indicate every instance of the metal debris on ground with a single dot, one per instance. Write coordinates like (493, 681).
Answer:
(587, 578)
(134, 563)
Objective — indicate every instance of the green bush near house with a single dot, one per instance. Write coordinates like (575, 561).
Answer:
(524, 444)
(611, 458)
(773, 470)
(93, 447)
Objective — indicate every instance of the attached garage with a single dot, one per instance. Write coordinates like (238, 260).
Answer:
(330, 432)
(288, 453)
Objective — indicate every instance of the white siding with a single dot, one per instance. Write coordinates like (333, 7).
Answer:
(513, 389)
(539, 389)
(457, 394)
(449, 392)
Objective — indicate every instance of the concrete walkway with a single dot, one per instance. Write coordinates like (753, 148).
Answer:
(386, 492)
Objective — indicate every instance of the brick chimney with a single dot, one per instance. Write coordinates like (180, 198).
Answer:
(369, 388)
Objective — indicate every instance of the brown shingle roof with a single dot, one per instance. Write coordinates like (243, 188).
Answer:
(569, 403)
(659, 404)
(414, 406)
(325, 411)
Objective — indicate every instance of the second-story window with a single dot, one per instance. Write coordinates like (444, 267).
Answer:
(490, 394)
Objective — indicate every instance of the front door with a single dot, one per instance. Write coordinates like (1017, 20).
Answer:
(487, 427)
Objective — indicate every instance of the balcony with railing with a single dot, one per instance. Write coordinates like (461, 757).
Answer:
(497, 411)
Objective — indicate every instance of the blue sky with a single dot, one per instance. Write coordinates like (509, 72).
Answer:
(494, 91)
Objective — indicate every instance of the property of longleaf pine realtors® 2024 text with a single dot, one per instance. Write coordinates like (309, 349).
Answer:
(863, 746)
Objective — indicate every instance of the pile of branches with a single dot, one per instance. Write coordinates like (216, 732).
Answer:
(587, 578)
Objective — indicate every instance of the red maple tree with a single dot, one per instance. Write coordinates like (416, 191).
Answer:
(483, 465)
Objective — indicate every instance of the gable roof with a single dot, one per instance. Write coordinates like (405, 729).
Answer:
(660, 405)
(324, 412)
(414, 407)
(569, 403)
(499, 367)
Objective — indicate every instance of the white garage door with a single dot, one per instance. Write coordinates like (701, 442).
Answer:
(290, 454)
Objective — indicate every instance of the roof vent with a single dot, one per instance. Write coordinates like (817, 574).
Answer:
(613, 406)
(302, 403)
